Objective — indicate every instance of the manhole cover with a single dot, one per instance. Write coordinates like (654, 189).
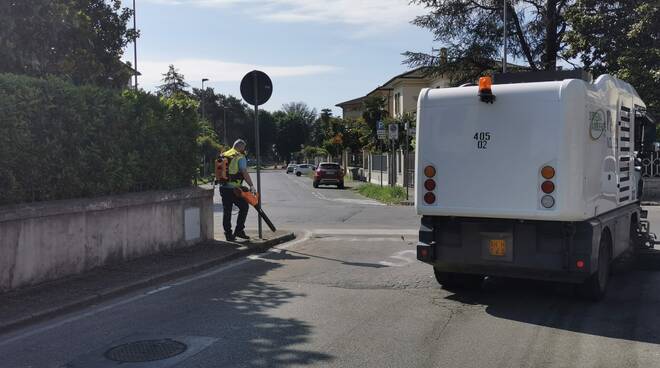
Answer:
(146, 351)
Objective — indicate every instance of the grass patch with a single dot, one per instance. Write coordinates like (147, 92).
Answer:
(385, 194)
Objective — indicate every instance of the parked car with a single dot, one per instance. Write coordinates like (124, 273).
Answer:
(329, 173)
(290, 168)
(303, 169)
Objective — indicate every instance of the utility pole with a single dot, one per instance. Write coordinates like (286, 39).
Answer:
(135, 67)
(203, 97)
(224, 124)
(504, 57)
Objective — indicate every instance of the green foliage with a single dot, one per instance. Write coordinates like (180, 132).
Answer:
(78, 40)
(294, 124)
(310, 152)
(374, 111)
(385, 194)
(402, 120)
(173, 83)
(60, 141)
(619, 38)
(472, 32)
(207, 142)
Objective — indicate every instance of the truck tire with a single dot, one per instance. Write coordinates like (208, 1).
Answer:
(595, 287)
(315, 184)
(298, 173)
(452, 280)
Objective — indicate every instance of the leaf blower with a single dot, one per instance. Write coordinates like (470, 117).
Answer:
(253, 200)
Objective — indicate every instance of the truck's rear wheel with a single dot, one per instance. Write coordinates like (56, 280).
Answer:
(452, 280)
(596, 286)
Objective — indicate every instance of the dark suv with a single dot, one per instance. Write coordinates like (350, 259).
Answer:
(329, 173)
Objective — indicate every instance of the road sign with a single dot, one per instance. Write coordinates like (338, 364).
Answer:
(256, 88)
(381, 132)
(394, 131)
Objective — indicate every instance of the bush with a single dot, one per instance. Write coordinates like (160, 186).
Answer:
(61, 141)
(384, 194)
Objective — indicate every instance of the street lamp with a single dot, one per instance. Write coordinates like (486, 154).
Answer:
(203, 95)
(224, 123)
(135, 67)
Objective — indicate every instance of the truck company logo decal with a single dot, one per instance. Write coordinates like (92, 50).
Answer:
(596, 124)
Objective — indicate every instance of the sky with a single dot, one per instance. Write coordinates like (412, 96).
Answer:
(320, 52)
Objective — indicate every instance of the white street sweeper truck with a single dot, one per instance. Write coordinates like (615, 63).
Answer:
(531, 175)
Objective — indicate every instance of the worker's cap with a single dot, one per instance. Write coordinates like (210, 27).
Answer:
(239, 142)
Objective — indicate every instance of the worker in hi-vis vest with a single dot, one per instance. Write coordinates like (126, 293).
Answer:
(231, 170)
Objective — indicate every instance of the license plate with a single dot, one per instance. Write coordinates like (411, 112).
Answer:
(497, 247)
(330, 172)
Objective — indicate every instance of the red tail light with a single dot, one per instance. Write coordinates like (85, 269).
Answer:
(548, 187)
(429, 198)
(429, 184)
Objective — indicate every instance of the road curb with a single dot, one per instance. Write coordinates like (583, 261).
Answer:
(145, 282)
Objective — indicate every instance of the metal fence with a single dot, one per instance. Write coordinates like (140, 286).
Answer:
(651, 165)
(379, 162)
(355, 159)
(409, 168)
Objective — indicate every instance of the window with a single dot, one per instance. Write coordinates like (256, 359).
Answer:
(329, 166)
(397, 104)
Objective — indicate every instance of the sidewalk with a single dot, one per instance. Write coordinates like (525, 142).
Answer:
(21, 307)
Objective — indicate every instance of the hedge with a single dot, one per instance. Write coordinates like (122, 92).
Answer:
(60, 141)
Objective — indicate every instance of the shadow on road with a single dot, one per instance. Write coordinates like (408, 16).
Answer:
(244, 314)
(289, 253)
(629, 311)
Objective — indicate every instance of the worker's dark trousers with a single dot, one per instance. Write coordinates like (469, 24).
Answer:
(229, 199)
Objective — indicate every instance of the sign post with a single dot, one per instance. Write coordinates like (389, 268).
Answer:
(381, 134)
(256, 89)
(394, 136)
(405, 160)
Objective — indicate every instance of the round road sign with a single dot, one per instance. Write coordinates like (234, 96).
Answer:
(256, 88)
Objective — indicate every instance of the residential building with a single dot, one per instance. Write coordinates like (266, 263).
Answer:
(400, 92)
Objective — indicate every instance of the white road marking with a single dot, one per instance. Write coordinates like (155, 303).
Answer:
(97, 310)
(368, 202)
(375, 232)
(158, 290)
(401, 256)
(362, 239)
(321, 196)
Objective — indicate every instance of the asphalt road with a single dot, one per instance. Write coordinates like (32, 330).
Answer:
(349, 293)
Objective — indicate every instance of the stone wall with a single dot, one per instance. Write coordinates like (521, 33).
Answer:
(48, 240)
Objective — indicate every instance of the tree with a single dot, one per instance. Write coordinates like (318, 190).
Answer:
(293, 126)
(619, 38)
(310, 152)
(300, 109)
(235, 111)
(472, 31)
(208, 105)
(373, 112)
(267, 133)
(173, 83)
(78, 40)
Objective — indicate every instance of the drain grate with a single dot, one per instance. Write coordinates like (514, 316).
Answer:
(146, 351)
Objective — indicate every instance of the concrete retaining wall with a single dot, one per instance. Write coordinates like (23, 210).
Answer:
(651, 191)
(49, 240)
